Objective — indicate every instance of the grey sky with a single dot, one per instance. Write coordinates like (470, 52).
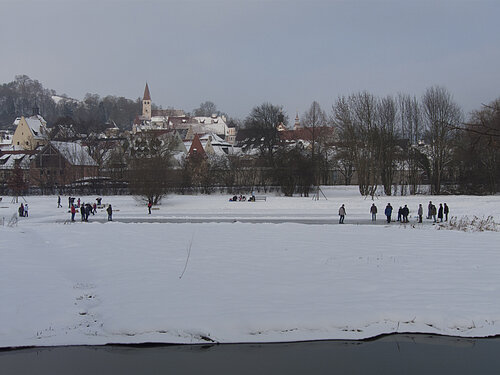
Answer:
(240, 54)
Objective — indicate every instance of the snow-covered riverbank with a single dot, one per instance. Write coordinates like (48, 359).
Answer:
(130, 280)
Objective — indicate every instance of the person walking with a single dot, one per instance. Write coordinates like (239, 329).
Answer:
(59, 201)
(373, 211)
(341, 214)
(440, 212)
(420, 212)
(388, 212)
(110, 213)
(73, 211)
(446, 211)
(150, 204)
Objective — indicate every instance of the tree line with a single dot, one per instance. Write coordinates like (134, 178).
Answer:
(397, 143)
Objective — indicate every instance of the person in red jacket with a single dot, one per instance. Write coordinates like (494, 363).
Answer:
(73, 211)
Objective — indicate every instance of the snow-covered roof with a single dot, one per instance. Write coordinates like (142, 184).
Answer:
(74, 153)
(8, 161)
(37, 125)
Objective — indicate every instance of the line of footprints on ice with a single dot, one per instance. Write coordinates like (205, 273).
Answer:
(86, 301)
(88, 322)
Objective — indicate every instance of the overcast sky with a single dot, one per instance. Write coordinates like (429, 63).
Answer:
(240, 54)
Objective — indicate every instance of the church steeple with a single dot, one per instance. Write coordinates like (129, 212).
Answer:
(146, 104)
(147, 96)
(297, 122)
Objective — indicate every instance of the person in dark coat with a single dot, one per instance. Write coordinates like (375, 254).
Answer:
(59, 201)
(110, 213)
(446, 211)
(388, 212)
(433, 212)
(341, 214)
(440, 212)
(373, 211)
(21, 210)
(150, 204)
(88, 210)
(429, 210)
(400, 213)
(405, 212)
(82, 210)
(420, 213)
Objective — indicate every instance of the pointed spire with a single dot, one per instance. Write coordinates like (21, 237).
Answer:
(147, 96)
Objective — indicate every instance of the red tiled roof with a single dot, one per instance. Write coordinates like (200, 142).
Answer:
(196, 145)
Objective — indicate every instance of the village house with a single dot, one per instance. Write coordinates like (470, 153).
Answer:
(31, 132)
(60, 163)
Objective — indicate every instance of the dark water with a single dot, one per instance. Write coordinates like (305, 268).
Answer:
(395, 354)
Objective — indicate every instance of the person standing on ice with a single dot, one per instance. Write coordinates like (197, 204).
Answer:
(341, 214)
(373, 211)
(26, 210)
(440, 212)
(59, 201)
(420, 212)
(429, 210)
(446, 212)
(388, 212)
(150, 204)
(73, 211)
(110, 213)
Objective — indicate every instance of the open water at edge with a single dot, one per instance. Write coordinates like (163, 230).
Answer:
(394, 354)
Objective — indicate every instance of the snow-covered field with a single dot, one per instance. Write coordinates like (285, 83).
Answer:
(278, 270)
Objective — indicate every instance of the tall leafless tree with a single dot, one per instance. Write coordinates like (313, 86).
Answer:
(441, 117)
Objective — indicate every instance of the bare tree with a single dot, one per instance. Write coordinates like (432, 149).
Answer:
(150, 175)
(355, 120)
(315, 120)
(386, 134)
(441, 117)
(261, 128)
(410, 117)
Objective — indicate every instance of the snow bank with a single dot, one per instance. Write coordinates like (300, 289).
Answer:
(116, 282)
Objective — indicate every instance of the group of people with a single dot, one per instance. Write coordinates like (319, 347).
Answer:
(242, 198)
(442, 212)
(85, 208)
(23, 210)
(404, 212)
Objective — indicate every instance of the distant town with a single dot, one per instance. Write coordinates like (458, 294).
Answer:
(52, 144)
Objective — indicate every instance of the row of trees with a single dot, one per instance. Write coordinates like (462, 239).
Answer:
(373, 141)
(391, 142)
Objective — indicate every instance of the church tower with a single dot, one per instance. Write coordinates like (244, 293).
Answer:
(146, 104)
(297, 125)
